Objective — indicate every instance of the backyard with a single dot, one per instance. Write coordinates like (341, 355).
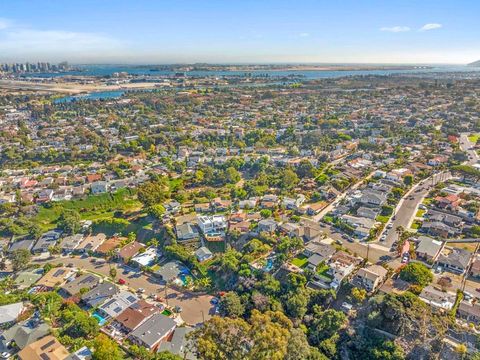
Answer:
(300, 261)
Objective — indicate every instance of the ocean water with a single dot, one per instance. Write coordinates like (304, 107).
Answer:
(99, 95)
(107, 70)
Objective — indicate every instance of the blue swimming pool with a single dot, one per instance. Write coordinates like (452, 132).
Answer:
(101, 320)
(269, 265)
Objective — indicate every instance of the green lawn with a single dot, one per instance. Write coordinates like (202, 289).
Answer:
(93, 207)
(300, 261)
(427, 201)
(383, 219)
(473, 138)
(420, 213)
(416, 225)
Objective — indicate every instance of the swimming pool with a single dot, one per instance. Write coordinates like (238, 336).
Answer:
(269, 265)
(101, 320)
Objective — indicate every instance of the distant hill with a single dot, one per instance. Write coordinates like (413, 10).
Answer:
(476, 63)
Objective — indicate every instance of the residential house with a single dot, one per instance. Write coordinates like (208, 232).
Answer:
(47, 348)
(109, 246)
(475, 268)
(202, 208)
(187, 232)
(370, 278)
(211, 225)
(84, 353)
(437, 228)
(85, 281)
(437, 299)
(44, 196)
(171, 271)
(178, 343)
(454, 259)
(428, 248)
(99, 187)
(9, 314)
(341, 265)
(203, 254)
(55, 277)
(126, 253)
(117, 304)
(292, 229)
(27, 278)
(172, 207)
(135, 315)
(26, 244)
(156, 329)
(99, 294)
(248, 203)
(47, 240)
(470, 312)
(146, 258)
(267, 225)
(23, 334)
(69, 243)
(91, 243)
(369, 213)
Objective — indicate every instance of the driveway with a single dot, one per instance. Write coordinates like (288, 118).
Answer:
(195, 308)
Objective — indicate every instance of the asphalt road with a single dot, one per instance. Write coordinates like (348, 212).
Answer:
(195, 308)
(408, 206)
(466, 145)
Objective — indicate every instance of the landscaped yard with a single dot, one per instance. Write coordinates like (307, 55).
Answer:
(420, 213)
(473, 138)
(383, 219)
(416, 225)
(300, 261)
(427, 201)
(322, 271)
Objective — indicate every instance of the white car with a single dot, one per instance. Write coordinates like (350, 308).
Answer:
(384, 237)
(390, 225)
(5, 355)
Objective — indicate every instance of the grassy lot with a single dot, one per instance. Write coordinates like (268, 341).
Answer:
(427, 201)
(383, 219)
(416, 225)
(93, 207)
(420, 213)
(300, 261)
(215, 246)
(473, 138)
(466, 246)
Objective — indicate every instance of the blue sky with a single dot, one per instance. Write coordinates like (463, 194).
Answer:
(228, 31)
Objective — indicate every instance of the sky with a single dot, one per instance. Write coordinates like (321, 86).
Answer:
(240, 31)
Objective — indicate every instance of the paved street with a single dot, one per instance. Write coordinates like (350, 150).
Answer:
(339, 198)
(466, 146)
(408, 206)
(192, 304)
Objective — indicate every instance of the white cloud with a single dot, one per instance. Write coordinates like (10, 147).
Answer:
(304, 34)
(4, 23)
(428, 27)
(23, 42)
(395, 29)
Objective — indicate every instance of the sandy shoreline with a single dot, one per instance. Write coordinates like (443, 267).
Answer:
(71, 88)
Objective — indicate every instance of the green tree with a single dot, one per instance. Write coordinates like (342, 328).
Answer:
(408, 180)
(106, 349)
(69, 221)
(231, 305)
(417, 274)
(157, 211)
(358, 294)
(325, 324)
(20, 259)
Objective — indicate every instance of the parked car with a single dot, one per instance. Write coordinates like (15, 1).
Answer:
(140, 290)
(384, 237)
(122, 281)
